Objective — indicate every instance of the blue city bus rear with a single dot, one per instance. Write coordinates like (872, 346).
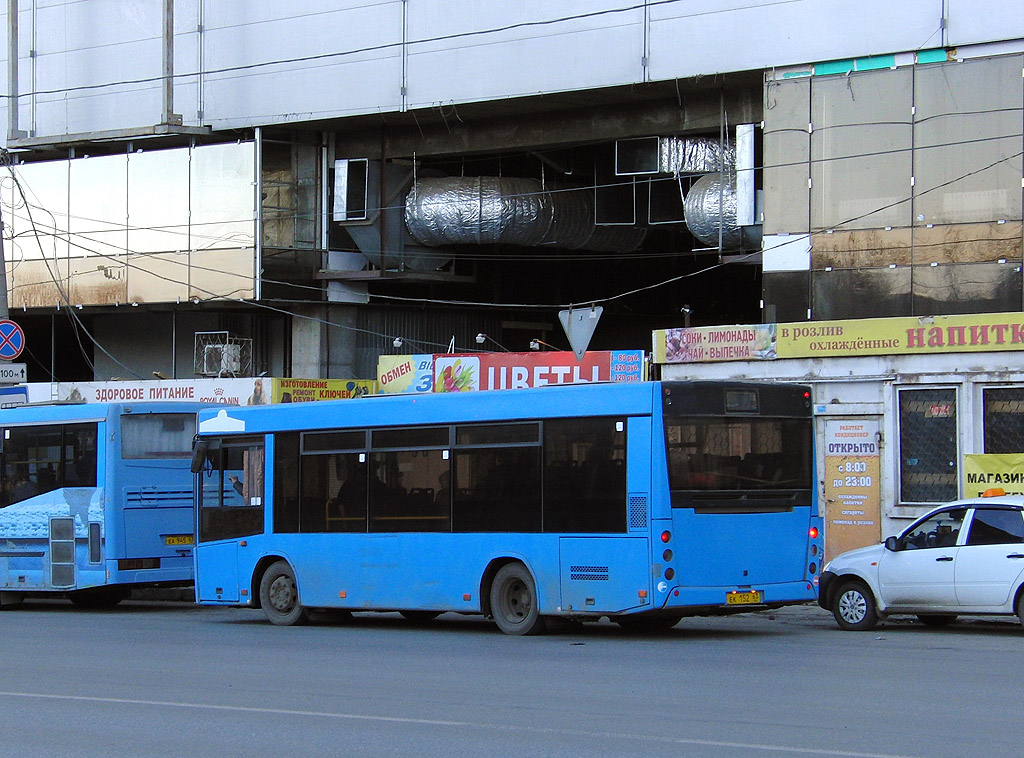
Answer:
(607, 559)
(95, 499)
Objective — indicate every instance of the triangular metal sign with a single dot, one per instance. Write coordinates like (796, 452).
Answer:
(579, 326)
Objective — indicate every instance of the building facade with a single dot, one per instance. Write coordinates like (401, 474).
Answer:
(326, 182)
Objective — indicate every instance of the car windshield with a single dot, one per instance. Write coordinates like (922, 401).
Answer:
(938, 530)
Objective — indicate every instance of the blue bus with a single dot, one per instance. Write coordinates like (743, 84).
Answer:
(641, 502)
(95, 499)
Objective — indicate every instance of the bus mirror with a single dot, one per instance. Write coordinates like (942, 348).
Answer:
(199, 456)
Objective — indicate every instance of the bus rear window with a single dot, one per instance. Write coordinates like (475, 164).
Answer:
(733, 458)
(157, 435)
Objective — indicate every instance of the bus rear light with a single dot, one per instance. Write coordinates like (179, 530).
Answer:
(667, 555)
(813, 568)
(244, 592)
(666, 536)
(135, 564)
(642, 594)
(814, 549)
(467, 597)
(813, 532)
(669, 573)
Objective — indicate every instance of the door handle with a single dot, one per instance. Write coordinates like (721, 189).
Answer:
(948, 558)
(1015, 555)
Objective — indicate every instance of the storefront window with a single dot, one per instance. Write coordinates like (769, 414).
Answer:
(1004, 419)
(928, 445)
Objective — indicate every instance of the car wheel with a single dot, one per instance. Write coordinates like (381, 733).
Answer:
(944, 619)
(854, 607)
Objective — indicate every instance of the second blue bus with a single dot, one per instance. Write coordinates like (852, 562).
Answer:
(642, 502)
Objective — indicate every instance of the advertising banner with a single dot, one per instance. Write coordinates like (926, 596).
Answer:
(304, 390)
(969, 333)
(705, 344)
(853, 498)
(502, 371)
(405, 373)
(982, 472)
(227, 391)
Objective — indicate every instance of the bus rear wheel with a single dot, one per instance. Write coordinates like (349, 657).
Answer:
(514, 601)
(279, 596)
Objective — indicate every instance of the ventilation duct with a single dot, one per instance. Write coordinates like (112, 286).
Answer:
(695, 155)
(710, 211)
(509, 211)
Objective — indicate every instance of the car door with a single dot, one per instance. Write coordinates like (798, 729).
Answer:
(991, 561)
(920, 574)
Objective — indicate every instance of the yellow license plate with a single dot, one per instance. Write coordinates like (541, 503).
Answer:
(178, 539)
(743, 598)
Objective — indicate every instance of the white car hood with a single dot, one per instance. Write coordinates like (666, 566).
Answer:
(861, 558)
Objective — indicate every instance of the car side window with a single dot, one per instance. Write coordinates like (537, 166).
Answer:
(996, 526)
(941, 530)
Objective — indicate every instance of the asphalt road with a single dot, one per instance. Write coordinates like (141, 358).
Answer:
(159, 679)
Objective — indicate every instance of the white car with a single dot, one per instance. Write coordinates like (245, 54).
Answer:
(965, 557)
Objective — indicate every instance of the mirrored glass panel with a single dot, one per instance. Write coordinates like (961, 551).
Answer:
(967, 139)
(222, 196)
(861, 150)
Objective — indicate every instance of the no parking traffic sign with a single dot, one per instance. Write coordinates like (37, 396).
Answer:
(12, 340)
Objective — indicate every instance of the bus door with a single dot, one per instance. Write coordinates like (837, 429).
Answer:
(230, 493)
(604, 574)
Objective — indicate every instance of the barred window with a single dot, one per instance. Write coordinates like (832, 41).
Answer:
(928, 446)
(1004, 419)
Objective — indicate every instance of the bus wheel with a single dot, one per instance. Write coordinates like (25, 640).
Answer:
(98, 597)
(280, 597)
(514, 601)
(419, 617)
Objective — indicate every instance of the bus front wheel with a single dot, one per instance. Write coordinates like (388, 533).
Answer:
(280, 597)
(514, 601)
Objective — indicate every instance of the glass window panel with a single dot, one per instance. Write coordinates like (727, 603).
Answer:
(940, 530)
(497, 434)
(290, 190)
(79, 464)
(46, 187)
(286, 483)
(861, 293)
(994, 526)
(965, 288)
(967, 163)
(1004, 419)
(325, 441)
(158, 202)
(786, 156)
(404, 489)
(497, 489)
(222, 200)
(98, 205)
(231, 491)
(584, 475)
(861, 150)
(157, 435)
(928, 448)
(432, 436)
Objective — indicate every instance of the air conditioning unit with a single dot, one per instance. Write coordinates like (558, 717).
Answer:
(219, 360)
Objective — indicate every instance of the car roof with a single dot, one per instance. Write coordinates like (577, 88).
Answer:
(995, 501)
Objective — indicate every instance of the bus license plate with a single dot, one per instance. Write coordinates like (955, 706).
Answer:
(743, 598)
(178, 539)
